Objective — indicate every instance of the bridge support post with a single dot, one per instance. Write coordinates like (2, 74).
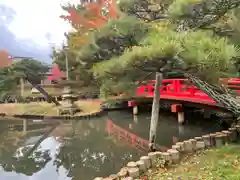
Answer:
(135, 110)
(134, 105)
(177, 108)
(181, 117)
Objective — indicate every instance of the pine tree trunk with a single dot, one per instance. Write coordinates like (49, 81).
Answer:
(155, 112)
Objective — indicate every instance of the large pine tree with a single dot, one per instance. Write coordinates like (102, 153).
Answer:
(148, 36)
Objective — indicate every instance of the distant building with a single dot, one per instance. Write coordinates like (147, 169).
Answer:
(5, 59)
(50, 78)
(18, 58)
(53, 75)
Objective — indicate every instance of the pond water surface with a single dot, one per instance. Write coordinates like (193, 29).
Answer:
(82, 150)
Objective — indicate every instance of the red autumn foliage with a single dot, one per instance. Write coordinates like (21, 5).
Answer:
(5, 61)
(56, 73)
(112, 8)
(93, 18)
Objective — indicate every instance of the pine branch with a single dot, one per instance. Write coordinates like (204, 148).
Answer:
(206, 13)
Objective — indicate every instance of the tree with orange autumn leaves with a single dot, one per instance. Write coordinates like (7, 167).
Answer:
(92, 16)
(84, 18)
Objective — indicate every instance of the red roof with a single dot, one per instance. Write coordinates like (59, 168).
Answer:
(57, 74)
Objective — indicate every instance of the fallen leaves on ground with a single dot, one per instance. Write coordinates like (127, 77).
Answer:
(213, 164)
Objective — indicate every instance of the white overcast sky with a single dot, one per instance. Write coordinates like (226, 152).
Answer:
(38, 20)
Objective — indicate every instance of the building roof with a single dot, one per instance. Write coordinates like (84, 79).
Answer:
(56, 73)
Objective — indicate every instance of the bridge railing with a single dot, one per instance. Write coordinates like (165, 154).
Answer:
(182, 88)
(173, 87)
(130, 138)
(233, 83)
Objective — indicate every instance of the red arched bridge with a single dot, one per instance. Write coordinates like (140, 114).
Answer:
(182, 90)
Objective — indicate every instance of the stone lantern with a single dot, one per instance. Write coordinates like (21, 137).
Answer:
(68, 105)
(67, 96)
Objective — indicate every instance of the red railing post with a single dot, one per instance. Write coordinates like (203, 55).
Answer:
(192, 90)
(140, 90)
(150, 89)
(177, 86)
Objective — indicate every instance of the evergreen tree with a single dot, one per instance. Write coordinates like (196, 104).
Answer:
(11, 75)
(158, 36)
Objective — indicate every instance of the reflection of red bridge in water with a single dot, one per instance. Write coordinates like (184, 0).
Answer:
(129, 138)
(172, 89)
(182, 90)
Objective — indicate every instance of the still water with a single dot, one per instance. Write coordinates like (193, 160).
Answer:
(82, 150)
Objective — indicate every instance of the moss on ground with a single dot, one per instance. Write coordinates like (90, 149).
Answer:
(213, 164)
(47, 109)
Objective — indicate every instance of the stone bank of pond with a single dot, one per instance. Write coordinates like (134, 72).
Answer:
(82, 150)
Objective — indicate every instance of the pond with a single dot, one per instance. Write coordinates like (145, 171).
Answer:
(82, 150)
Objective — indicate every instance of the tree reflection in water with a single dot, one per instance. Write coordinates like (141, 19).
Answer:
(27, 166)
(13, 160)
(85, 152)
(92, 152)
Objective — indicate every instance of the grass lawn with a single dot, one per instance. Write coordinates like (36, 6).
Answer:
(47, 109)
(57, 91)
(213, 164)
